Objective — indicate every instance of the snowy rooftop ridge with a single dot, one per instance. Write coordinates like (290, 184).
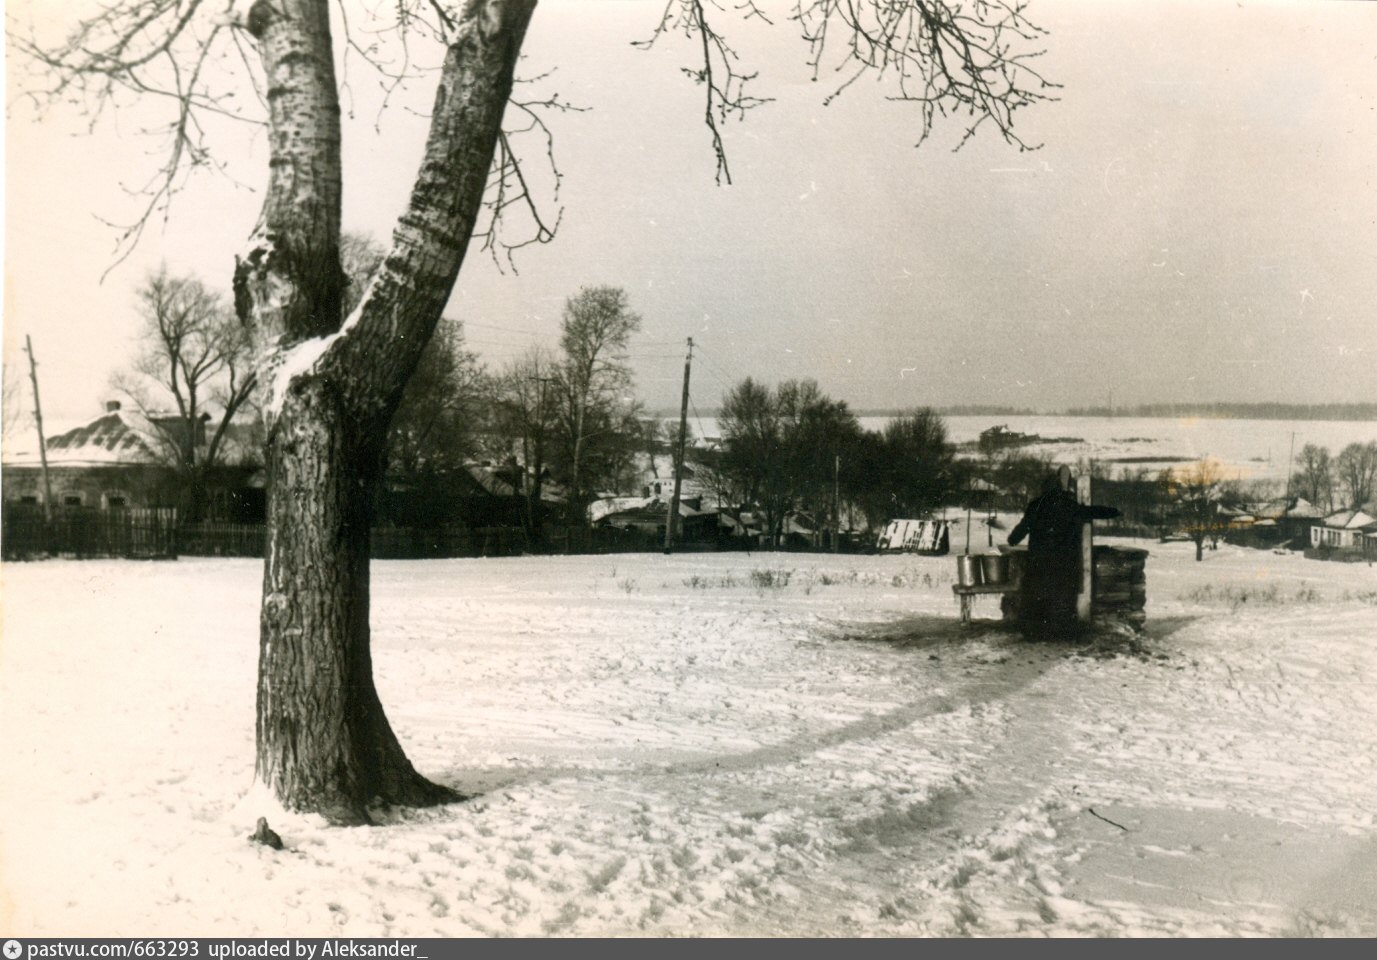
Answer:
(120, 437)
(114, 438)
(1349, 520)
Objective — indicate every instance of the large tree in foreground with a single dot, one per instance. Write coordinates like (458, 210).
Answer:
(331, 383)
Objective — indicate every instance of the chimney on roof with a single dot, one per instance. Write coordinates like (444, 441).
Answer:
(112, 406)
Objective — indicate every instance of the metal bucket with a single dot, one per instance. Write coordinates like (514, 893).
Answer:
(994, 568)
(968, 570)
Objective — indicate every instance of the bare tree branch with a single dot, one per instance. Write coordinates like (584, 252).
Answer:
(948, 58)
(723, 82)
(951, 59)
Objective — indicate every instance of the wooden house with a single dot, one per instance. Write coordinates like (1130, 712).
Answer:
(120, 460)
(1345, 530)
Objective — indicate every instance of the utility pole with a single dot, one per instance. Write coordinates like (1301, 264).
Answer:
(836, 503)
(533, 507)
(1085, 597)
(42, 442)
(1290, 459)
(673, 515)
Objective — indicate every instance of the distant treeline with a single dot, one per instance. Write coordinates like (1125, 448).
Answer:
(1237, 411)
(1217, 411)
(977, 410)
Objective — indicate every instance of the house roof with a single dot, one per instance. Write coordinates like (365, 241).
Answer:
(652, 509)
(491, 479)
(120, 438)
(1349, 520)
(1297, 508)
(117, 438)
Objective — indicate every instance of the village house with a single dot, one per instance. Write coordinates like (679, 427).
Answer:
(1286, 521)
(647, 516)
(474, 495)
(119, 461)
(1352, 530)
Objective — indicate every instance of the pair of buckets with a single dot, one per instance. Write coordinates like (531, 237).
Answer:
(987, 568)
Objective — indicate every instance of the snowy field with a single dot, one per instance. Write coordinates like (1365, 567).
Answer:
(707, 744)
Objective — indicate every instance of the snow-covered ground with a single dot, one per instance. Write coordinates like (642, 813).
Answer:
(709, 743)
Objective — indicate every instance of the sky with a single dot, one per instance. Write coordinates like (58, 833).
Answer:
(1200, 223)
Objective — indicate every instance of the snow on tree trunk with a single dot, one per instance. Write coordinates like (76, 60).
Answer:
(323, 742)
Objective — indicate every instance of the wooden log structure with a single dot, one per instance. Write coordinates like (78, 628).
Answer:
(1118, 584)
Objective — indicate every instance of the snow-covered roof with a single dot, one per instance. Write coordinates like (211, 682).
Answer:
(1349, 520)
(121, 437)
(610, 505)
(491, 479)
(1297, 508)
(637, 508)
(116, 438)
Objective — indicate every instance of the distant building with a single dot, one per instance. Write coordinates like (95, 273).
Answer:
(1275, 522)
(119, 460)
(648, 516)
(1345, 530)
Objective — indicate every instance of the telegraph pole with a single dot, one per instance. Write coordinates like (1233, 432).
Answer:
(836, 503)
(673, 514)
(533, 506)
(1290, 459)
(42, 443)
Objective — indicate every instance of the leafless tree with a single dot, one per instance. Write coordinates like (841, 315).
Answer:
(1315, 479)
(593, 379)
(1356, 468)
(195, 356)
(523, 402)
(330, 386)
(1196, 489)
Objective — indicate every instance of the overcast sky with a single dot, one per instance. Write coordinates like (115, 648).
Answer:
(1201, 223)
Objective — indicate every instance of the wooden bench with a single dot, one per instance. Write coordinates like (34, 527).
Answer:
(967, 595)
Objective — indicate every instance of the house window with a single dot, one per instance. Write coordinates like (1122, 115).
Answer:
(72, 500)
(30, 499)
(115, 502)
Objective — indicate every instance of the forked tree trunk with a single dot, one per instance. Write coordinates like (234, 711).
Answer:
(323, 742)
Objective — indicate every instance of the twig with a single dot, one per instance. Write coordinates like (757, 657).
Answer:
(1107, 820)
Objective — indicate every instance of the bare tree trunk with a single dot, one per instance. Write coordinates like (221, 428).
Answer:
(323, 741)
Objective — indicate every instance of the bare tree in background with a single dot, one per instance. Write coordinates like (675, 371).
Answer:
(594, 379)
(523, 409)
(1196, 489)
(331, 385)
(437, 422)
(195, 356)
(1315, 479)
(1356, 469)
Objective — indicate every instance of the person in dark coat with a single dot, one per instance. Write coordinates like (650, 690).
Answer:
(1052, 576)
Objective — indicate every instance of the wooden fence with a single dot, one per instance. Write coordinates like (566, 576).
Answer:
(136, 534)
(141, 533)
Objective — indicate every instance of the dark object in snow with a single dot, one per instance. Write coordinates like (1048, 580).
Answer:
(1107, 820)
(1052, 574)
(264, 834)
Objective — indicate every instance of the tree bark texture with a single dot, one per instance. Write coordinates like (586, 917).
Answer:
(323, 742)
